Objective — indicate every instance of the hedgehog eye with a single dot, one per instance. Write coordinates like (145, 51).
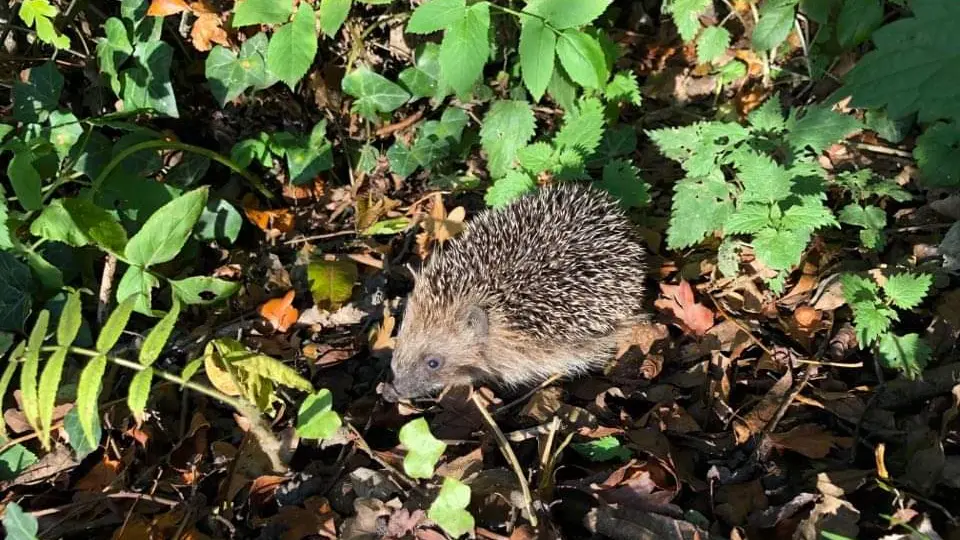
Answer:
(434, 362)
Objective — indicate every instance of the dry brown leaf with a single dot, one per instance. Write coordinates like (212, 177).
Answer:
(758, 417)
(207, 30)
(737, 501)
(101, 476)
(691, 316)
(810, 440)
(279, 312)
(162, 8)
(270, 221)
(381, 339)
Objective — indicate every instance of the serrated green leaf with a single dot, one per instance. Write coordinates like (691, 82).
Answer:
(448, 510)
(157, 337)
(780, 249)
(909, 354)
(603, 449)
(538, 45)
(857, 20)
(316, 418)
(88, 392)
(582, 127)
(147, 85)
(248, 12)
(465, 49)
(18, 524)
(563, 14)
(819, 128)
(434, 15)
(139, 283)
(293, 47)
(506, 128)
(749, 218)
(47, 392)
(331, 282)
(115, 324)
(272, 369)
(70, 320)
(562, 89)
(763, 179)
(582, 58)
(387, 226)
(139, 393)
(374, 93)
(203, 290)
(809, 215)
(512, 186)
(906, 291)
(700, 207)
(167, 230)
(536, 157)
(333, 13)
(31, 366)
(113, 50)
(622, 180)
(712, 43)
(775, 24)
(623, 87)
(423, 449)
(938, 154)
(25, 180)
(869, 217)
(769, 116)
(65, 131)
(858, 289)
(728, 257)
(871, 321)
(686, 16)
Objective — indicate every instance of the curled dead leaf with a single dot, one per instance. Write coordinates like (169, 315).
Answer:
(207, 30)
(279, 312)
(162, 8)
(691, 316)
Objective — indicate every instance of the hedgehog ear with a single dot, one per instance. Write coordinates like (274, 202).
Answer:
(477, 319)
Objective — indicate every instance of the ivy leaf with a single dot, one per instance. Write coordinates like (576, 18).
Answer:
(423, 80)
(538, 46)
(373, 92)
(434, 15)
(449, 509)
(35, 99)
(938, 154)
(25, 180)
(563, 14)
(226, 74)
(582, 58)
(819, 127)
(465, 49)
(21, 525)
(294, 46)
(582, 127)
(776, 21)
(763, 179)
(857, 21)
(248, 12)
(906, 291)
(622, 180)
(749, 218)
(506, 128)
(310, 156)
(512, 186)
(700, 207)
(333, 13)
(423, 449)
(113, 50)
(909, 354)
(780, 249)
(402, 161)
(316, 418)
(686, 16)
(166, 231)
(220, 222)
(712, 43)
(603, 449)
(623, 87)
(147, 86)
(65, 131)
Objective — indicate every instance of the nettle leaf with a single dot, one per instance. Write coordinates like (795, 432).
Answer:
(780, 249)
(536, 157)
(776, 21)
(203, 290)
(316, 418)
(293, 47)
(623, 87)
(16, 292)
(622, 180)
(763, 179)
(938, 154)
(712, 43)
(871, 321)
(423, 80)
(20, 525)
(65, 131)
(248, 12)
(465, 49)
(449, 509)
(906, 291)
(686, 16)
(563, 14)
(35, 99)
(810, 215)
(582, 127)
(333, 13)
(423, 449)
(113, 50)
(538, 45)
(603, 449)
(909, 354)
(374, 93)
(857, 21)
(583, 59)
(858, 289)
(873, 219)
(167, 230)
(920, 50)
(506, 128)
(749, 218)
(700, 207)
(769, 116)
(819, 127)
(512, 186)
(147, 86)
(435, 15)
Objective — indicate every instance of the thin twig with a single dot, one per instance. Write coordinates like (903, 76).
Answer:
(106, 288)
(509, 455)
(829, 364)
(788, 400)
(304, 239)
(739, 324)
(118, 495)
(390, 129)
(362, 444)
(526, 396)
(877, 149)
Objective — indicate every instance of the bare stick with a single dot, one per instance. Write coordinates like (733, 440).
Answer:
(106, 288)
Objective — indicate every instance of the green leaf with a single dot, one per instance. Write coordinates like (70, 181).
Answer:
(732, 71)
(373, 92)
(423, 80)
(423, 449)
(582, 127)
(272, 369)
(14, 461)
(909, 354)
(465, 49)
(20, 525)
(434, 15)
(512, 186)
(686, 16)
(316, 418)
(859, 290)
(16, 294)
(293, 47)
(871, 321)
(768, 117)
(203, 290)
(139, 283)
(77, 438)
(333, 13)
(780, 249)
(857, 20)
(114, 326)
(506, 128)
(563, 14)
(253, 58)
(219, 222)
(906, 291)
(113, 50)
(167, 230)
(65, 131)
(712, 43)
(603, 449)
(387, 226)
(700, 207)
(310, 156)
(819, 128)
(623, 87)
(402, 161)
(31, 10)
(248, 12)
(248, 150)
(538, 46)
(763, 179)
(147, 86)
(139, 393)
(938, 154)
(13, 362)
(88, 392)
(25, 180)
(154, 342)
(449, 509)
(47, 393)
(70, 320)
(99, 226)
(562, 89)
(31, 366)
(809, 215)
(55, 224)
(907, 70)
(226, 74)
(35, 99)
(818, 10)
(622, 180)
(331, 282)
(871, 218)
(536, 157)
(749, 218)
(582, 58)
(775, 24)
(6, 240)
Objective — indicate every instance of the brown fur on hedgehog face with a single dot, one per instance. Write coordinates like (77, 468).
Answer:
(434, 350)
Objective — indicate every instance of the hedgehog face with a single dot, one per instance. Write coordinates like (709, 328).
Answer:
(432, 353)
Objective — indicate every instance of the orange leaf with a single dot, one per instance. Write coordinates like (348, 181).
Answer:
(692, 317)
(162, 8)
(280, 312)
(207, 30)
(100, 476)
(268, 220)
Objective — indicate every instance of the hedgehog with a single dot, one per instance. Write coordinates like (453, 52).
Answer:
(547, 285)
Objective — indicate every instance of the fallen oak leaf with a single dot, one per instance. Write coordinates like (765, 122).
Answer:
(279, 312)
(162, 8)
(691, 316)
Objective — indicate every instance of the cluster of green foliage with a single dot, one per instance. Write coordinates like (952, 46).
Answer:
(874, 315)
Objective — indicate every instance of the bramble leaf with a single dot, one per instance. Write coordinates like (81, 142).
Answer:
(776, 21)
(333, 13)
(449, 509)
(906, 291)
(506, 128)
(465, 49)
(248, 12)
(434, 15)
(423, 449)
(294, 46)
(582, 58)
(563, 14)
(538, 46)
